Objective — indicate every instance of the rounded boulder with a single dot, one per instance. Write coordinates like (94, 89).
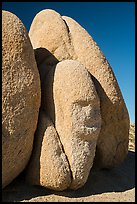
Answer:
(20, 97)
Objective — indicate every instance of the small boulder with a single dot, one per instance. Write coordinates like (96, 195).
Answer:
(48, 165)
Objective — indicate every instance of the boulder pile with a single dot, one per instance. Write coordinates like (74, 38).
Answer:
(62, 109)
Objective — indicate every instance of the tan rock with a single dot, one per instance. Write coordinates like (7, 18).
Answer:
(112, 146)
(68, 40)
(48, 165)
(71, 101)
(57, 40)
(20, 97)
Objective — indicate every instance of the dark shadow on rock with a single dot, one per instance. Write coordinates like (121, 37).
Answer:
(112, 144)
(46, 63)
(45, 60)
(119, 179)
(19, 190)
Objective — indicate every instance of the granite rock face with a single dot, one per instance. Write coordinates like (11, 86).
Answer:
(68, 40)
(20, 97)
(71, 101)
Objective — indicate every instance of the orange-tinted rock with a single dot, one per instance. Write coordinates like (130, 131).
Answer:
(48, 165)
(66, 39)
(71, 101)
(20, 97)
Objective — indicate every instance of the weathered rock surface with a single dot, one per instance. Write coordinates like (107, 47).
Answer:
(48, 30)
(20, 97)
(71, 101)
(66, 39)
(48, 165)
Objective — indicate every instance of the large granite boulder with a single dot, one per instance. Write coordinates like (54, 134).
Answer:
(20, 97)
(66, 39)
(76, 115)
(70, 100)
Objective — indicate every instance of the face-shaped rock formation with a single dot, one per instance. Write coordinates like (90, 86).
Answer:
(20, 97)
(71, 101)
(66, 39)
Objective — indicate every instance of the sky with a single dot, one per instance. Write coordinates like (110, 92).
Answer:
(111, 25)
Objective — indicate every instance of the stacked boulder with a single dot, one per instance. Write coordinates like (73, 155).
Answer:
(72, 103)
(83, 120)
(71, 41)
